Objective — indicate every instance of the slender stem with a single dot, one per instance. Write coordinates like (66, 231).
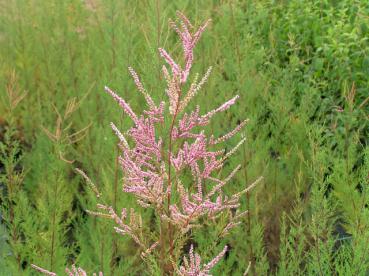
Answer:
(169, 160)
(170, 230)
(170, 145)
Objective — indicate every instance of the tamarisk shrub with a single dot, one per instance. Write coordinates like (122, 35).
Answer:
(165, 144)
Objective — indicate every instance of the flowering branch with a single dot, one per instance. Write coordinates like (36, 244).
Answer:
(152, 163)
(193, 265)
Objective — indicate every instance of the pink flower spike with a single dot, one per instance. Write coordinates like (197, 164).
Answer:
(184, 19)
(141, 88)
(127, 109)
(176, 70)
(44, 271)
(189, 41)
(120, 136)
(223, 107)
(216, 259)
(230, 134)
(193, 268)
(199, 32)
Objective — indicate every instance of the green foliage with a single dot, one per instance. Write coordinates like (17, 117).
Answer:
(301, 69)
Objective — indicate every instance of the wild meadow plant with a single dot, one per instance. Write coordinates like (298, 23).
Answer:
(12, 176)
(172, 166)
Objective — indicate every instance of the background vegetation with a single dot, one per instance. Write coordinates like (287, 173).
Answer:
(301, 68)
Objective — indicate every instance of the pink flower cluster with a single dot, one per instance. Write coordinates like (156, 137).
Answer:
(145, 165)
(188, 43)
(154, 165)
(148, 160)
(193, 267)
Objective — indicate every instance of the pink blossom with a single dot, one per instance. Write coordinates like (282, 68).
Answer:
(188, 43)
(144, 165)
(166, 141)
(193, 267)
(127, 109)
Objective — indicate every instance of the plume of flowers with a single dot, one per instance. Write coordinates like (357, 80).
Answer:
(192, 266)
(189, 41)
(153, 164)
(146, 170)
